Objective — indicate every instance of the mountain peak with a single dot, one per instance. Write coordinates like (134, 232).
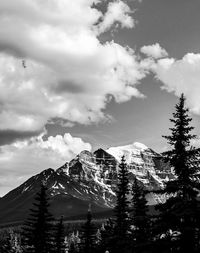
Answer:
(47, 171)
(140, 145)
(88, 178)
(129, 151)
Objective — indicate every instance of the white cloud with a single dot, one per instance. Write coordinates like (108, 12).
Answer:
(54, 66)
(68, 72)
(66, 146)
(181, 76)
(22, 159)
(117, 12)
(177, 76)
(155, 51)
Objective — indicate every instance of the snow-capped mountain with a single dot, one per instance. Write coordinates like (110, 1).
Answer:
(88, 178)
(131, 152)
(143, 163)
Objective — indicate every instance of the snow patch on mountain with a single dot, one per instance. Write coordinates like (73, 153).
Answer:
(132, 152)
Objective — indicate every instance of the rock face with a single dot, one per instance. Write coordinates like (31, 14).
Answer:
(88, 178)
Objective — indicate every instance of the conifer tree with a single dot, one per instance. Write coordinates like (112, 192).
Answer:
(140, 220)
(180, 212)
(72, 248)
(106, 242)
(6, 245)
(88, 235)
(37, 229)
(122, 208)
(60, 237)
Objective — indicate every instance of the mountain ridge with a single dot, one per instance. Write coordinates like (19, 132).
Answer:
(88, 178)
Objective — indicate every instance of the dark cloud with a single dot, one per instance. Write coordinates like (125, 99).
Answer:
(10, 136)
(11, 49)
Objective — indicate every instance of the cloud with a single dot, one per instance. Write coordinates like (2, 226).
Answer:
(9, 136)
(177, 76)
(181, 76)
(22, 159)
(117, 12)
(155, 51)
(66, 146)
(53, 65)
(55, 69)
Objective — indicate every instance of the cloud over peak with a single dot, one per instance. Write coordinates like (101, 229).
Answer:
(21, 159)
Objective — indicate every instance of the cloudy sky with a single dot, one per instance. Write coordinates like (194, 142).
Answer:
(85, 74)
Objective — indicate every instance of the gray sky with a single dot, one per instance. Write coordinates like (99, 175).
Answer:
(82, 74)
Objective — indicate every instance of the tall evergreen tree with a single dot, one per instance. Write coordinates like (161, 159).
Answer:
(60, 237)
(88, 235)
(140, 219)
(180, 212)
(122, 208)
(6, 245)
(72, 248)
(106, 242)
(37, 229)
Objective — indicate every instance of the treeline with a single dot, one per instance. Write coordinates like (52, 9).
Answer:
(133, 229)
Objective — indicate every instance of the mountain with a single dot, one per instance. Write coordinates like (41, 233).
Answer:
(88, 178)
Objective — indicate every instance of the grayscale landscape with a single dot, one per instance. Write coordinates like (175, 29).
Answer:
(99, 126)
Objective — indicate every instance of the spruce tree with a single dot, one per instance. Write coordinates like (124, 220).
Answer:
(6, 245)
(107, 232)
(60, 237)
(88, 235)
(37, 230)
(140, 220)
(180, 212)
(72, 248)
(122, 208)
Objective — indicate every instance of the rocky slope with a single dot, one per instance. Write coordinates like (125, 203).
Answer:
(88, 178)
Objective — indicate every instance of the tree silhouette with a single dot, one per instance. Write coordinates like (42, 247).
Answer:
(140, 219)
(88, 235)
(122, 208)
(38, 227)
(179, 215)
(6, 245)
(60, 237)
(72, 248)
(107, 232)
